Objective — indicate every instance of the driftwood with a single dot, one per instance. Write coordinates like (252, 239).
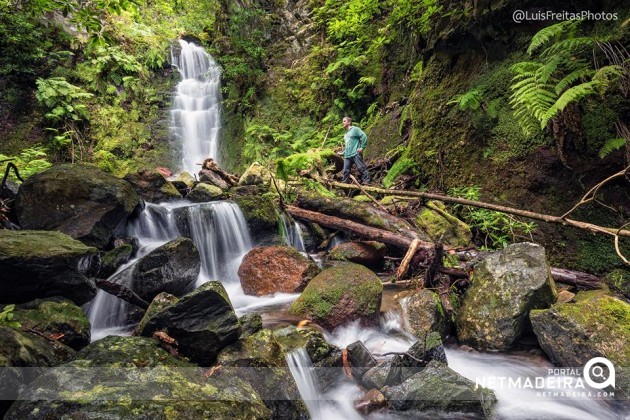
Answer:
(122, 292)
(210, 165)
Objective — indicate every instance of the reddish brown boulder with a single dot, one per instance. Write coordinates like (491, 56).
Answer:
(270, 269)
(373, 400)
(368, 253)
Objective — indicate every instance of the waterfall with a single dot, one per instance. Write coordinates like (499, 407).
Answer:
(292, 233)
(196, 112)
(218, 230)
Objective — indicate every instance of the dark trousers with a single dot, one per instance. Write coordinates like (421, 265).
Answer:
(347, 167)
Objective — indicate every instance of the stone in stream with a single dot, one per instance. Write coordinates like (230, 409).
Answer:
(131, 377)
(260, 213)
(341, 294)
(113, 259)
(360, 359)
(268, 270)
(439, 225)
(79, 200)
(152, 186)
(40, 264)
(203, 193)
(203, 322)
(439, 388)
(251, 323)
(595, 324)
(505, 287)
(172, 268)
(425, 313)
(368, 253)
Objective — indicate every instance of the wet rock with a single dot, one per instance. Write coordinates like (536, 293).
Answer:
(203, 322)
(619, 281)
(172, 268)
(382, 374)
(368, 253)
(113, 259)
(152, 186)
(79, 200)
(56, 317)
(595, 324)
(372, 400)
(439, 388)
(505, 287)
(256, 174)
(260, 213)
(441, 226)
(127, 377)
(186, 179)
(341, 294)
(211, 178)
(268, 270)
(251, 323)
(425, 313)
(360, 359)
(40, 264)
(203, 192)
(158, 304)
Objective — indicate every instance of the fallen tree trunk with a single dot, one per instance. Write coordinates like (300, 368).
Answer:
(122, 292)
(524, 213)
(570, 277)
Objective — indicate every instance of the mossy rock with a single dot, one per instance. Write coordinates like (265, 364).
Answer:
(619, 281)
(340, 294)
(40, 264)
(53, 317)
(204, 192)
(362, 198)
(425, 314)
(441, 226)
(113, 259)
(368, 253)
(152, 186)
(157, 305)
(261, 215)
(131, 377)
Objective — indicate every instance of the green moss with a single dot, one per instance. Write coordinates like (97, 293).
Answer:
(41, 244)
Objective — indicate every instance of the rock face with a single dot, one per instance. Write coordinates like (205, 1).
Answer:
(340, 294)
(368, 253)
(203, 322)
(152, 186)
(128, 377)
(267, 270)
(39, 264)
(505, 287)
(78, 200)
(254, 175)
(172, 268)
(596, 324)
(425, 313)
(55, 316)
(260, 213)
(113, 259)
(439, 388)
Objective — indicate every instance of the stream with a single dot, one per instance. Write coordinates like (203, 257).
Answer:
(220, 233)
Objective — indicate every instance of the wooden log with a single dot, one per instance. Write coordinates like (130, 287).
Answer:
(122, 292)
(404, 265)
(380, 235)
(576, 278)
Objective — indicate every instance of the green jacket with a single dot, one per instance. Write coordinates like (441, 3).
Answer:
(354, 139)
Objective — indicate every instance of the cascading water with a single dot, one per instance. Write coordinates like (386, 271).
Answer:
(292, 233)
(196, 112)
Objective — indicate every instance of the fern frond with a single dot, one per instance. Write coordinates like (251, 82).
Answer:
(573, 94)
(469, 100)
(606, 75)
(611, 145)
(568, 46)
(546, 34)
(572, 77)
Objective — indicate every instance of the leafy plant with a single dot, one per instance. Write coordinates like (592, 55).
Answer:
(29, 161)
(497, 229)
(469, 100)
(6, 317)
(62, 99)
(612, 145)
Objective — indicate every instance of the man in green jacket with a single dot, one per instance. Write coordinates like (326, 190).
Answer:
(355, 141)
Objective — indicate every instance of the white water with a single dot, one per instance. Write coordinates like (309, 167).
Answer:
(292, 233)
(196, 112)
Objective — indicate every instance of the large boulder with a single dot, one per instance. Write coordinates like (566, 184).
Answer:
(254, 175)
(439, 388)
(595, 324)
(57, 317)
(203, 193)
(131, 377)
(172, 268)
(268, 270)
(340, 294)
(39, 264)
(203, 322)
(505, 287)
(79, 200)
(152, 186)
(368, 253)
(113, 259)
(425, 314)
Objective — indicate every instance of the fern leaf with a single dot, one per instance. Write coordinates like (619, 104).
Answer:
(546, 34)
(568, 46)
(573, 94)
(571, 78)
(610, 146)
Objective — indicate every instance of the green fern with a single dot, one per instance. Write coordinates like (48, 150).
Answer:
(550, 32)
(469, 100)
(611, 145)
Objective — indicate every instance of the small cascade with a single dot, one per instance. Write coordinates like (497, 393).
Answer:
(196, 112)
(292, 233)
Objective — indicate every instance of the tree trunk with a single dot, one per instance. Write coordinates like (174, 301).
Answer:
(122, 292)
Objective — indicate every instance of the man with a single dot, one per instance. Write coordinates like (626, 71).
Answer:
(355, 141)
